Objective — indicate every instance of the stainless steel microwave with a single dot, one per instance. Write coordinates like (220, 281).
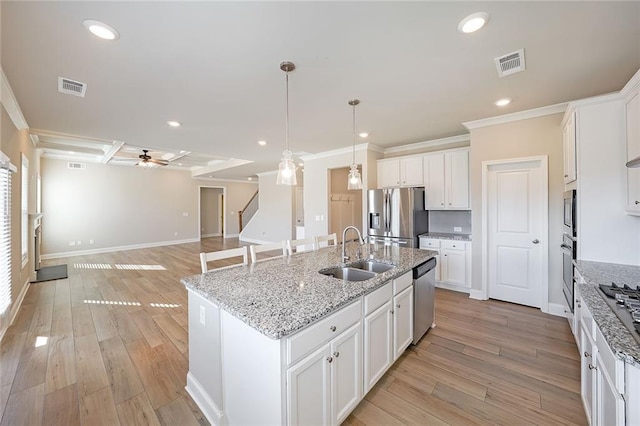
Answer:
(570, 213)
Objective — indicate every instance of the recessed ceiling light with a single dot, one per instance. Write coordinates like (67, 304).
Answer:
(102, 30)
(249, 178)
(301, 164)
(503, 102)
(179, 164)
(174, 123)
(363, 134)
(262, 143)
(473, 22)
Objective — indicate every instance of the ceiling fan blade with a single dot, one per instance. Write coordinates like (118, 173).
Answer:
(158, 162)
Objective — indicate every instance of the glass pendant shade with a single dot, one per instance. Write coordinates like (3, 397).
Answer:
(354, 180)
(286, 170)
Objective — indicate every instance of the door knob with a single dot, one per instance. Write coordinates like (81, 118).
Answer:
(536, 241)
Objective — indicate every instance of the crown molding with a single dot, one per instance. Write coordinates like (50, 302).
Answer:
(213, 179)
(516, 116)
(268, 173)
(428, 144)
(10, 103)
(340, 151)
(632, 84)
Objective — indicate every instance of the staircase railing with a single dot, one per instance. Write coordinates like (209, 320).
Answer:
(245, 215)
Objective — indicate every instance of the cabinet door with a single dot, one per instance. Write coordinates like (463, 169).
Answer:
(454, 266)
(388, 173)
(587, 374)
(569, 149)
(402, 321)
(610, 404)
(633, 151)
(411, 171)
(457, 180)
(378, 344)
(434, 181)
(346, 373)
(438, 267)
(308, 390)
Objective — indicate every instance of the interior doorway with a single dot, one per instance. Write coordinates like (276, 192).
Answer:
(212, 220)
(345, 206)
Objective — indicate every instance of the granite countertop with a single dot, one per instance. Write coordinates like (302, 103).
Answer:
(618, 337)
(280, 296)
(447, 236)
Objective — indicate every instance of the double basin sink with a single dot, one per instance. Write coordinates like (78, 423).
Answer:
(358, 271)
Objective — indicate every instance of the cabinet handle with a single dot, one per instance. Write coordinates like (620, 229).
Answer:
(445, 255)
(587, 354)
(336, 354)
(332, 328)
(579, 305)
(330, 359)
(536, 241)
(442, 204)
(398, 305)
(449, 203)
(392, 312)
(591, 367)
(637, 202)
(566, 175)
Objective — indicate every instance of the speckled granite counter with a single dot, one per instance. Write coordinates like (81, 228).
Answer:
(447, 236)
(280, 296)
(618, 337)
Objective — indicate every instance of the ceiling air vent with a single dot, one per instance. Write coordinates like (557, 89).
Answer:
(71, 87)
(510, 63)
(76, 166)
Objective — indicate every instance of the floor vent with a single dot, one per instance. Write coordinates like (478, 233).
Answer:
(76, 166)
(71, 87)
(510, 63)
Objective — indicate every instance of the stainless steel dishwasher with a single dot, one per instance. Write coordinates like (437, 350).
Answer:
(424, 283)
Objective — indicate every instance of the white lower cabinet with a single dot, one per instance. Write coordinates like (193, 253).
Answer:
(608, 402)
(402, 321)
(453, 262)
(378, 341)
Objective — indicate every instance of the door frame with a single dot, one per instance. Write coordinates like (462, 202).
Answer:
(224, 211)
(544, 232)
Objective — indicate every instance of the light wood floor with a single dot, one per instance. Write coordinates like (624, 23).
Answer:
(109, 346)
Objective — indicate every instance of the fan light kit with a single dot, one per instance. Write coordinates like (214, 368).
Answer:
(147, 161)
(473, 22)
(287, 168)
(354, 181)
(102, 30)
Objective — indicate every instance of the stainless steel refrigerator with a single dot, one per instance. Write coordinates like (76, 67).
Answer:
(397, 216)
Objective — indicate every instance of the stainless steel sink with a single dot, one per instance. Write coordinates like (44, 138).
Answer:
(348, 274)
(372, 266)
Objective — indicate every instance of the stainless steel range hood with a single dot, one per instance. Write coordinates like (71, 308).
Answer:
(634, 163)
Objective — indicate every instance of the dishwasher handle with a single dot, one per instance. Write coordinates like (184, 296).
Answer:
(424, 268)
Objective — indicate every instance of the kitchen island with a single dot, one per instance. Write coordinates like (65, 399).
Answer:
(277, 342)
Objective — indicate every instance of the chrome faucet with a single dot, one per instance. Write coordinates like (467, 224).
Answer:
(344, 241)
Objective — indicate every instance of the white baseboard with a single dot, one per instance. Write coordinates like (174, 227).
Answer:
(119, 248)
(254, 241)
(16, 307)
(232, 236)
(476, 294)
(452, 287)
(203, 401)
(217, 234)
(557, 309)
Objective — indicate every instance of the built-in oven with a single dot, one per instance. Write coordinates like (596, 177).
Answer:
(570, 213)
(568, 256)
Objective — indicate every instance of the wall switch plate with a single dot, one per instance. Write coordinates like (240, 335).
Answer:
(175, 234)
(202, 315)
(91, 242)
(72, 243)
(457, 229)
(79, 243)
(185, 214)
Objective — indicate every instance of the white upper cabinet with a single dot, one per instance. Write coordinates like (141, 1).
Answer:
(446, 180)
(397, 172)
(633, 151)
(569, 148)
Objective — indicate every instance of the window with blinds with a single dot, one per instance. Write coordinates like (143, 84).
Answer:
(24, 208)
(5, 233)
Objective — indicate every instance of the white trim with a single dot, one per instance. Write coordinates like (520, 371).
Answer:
(231, 236)
(117, 248)
(224, 210)
(544, 232)
(452, 287)
(556, 309)
(15, 307)
(632, 84)
(423, 154)
(214, 179)
(516, 116)
(427, 144)
(10, 103)
(267, 173)
(213, 413)
(476, 294)
(217, 234)
(255, 241)
(339, 151)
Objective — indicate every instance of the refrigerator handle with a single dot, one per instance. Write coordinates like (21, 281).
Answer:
(387, 211)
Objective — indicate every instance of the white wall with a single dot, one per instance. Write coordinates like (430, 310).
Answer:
(209, 212)
(345, 207)
(119, 206)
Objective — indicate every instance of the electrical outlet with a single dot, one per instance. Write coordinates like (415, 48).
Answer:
(79, 243)
(92, 242)
(175, 234)
(457, 229)
(185, 214)
(72, 243)
(202, 315)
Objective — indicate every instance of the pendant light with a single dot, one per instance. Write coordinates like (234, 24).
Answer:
(287, 168)
(354, 180)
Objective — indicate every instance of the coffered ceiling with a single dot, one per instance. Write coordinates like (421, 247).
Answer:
(214, 67)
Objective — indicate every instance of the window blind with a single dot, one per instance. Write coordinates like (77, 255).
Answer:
(5, 233)
(25, 209)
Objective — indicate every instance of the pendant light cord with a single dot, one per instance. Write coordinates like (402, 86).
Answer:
(286, 137)
(354, 135)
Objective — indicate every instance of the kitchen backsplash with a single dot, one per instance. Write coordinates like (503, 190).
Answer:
(447, 220)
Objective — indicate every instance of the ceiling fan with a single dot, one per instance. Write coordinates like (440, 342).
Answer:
(146, 160)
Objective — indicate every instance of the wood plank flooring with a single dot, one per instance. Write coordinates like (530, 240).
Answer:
(109, 346)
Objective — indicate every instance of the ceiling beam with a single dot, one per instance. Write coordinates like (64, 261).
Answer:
(111, 152)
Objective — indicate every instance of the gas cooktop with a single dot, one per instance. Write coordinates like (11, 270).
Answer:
(625, 303)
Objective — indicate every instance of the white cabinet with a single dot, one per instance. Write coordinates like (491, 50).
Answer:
(378, 340)
(453, 262)
(396, 172)
(446, 180)
(569, 148)
(346, 373)
(632, 109)
(609, 404)
(402, 321)
(453, 266)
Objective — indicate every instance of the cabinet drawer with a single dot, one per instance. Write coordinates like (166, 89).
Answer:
(429, 243)
(304, 342)
(453, 245)
(377, 298)
(402, 282)
(613, 366)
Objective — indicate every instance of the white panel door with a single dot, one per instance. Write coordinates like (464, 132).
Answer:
(402, 321)
(378, 344)
(457, 168)
(346, 373)
(434, 181)
(514, 225)
(411, 171)
(308, 390)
